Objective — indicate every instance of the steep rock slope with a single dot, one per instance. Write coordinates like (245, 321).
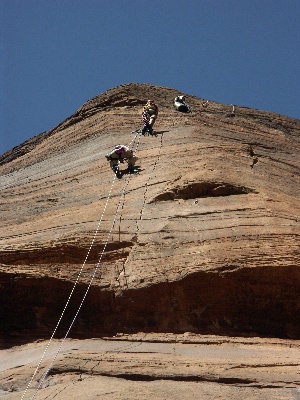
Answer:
(204, 239)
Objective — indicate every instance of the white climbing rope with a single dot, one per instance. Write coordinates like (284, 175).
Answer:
(87, 290)
(77, 279)
(74, 286)
(147, 183)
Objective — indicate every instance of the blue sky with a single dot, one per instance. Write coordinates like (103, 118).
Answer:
(57, 54)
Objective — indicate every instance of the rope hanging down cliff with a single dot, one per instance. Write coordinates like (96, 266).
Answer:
(139, 219)
(77, 280)
(87, 290)
(99, 262)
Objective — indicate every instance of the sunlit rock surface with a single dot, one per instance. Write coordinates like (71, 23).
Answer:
(205, 239)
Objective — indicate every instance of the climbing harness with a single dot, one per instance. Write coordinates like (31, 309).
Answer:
(146, 117)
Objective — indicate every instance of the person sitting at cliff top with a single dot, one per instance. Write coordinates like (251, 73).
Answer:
(180, 104)
(149, 115)
(118, 155)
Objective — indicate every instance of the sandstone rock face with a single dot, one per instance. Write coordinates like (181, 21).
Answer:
(156, 366)
(183, 266)
(204, 239)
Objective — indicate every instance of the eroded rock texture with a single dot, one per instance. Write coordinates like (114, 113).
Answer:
(155, 366)
(204, 239)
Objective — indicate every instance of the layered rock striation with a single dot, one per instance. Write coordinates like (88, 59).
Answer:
(204, 239)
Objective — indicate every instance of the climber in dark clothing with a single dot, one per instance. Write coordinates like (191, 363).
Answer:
(149, 115)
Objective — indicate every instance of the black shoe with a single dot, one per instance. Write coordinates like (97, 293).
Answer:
(132, 170)
(147, 129)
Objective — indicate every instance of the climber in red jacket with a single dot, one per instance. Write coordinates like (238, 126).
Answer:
(118, 155)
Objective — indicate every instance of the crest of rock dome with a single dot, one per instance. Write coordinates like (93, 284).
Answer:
(204, 239)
